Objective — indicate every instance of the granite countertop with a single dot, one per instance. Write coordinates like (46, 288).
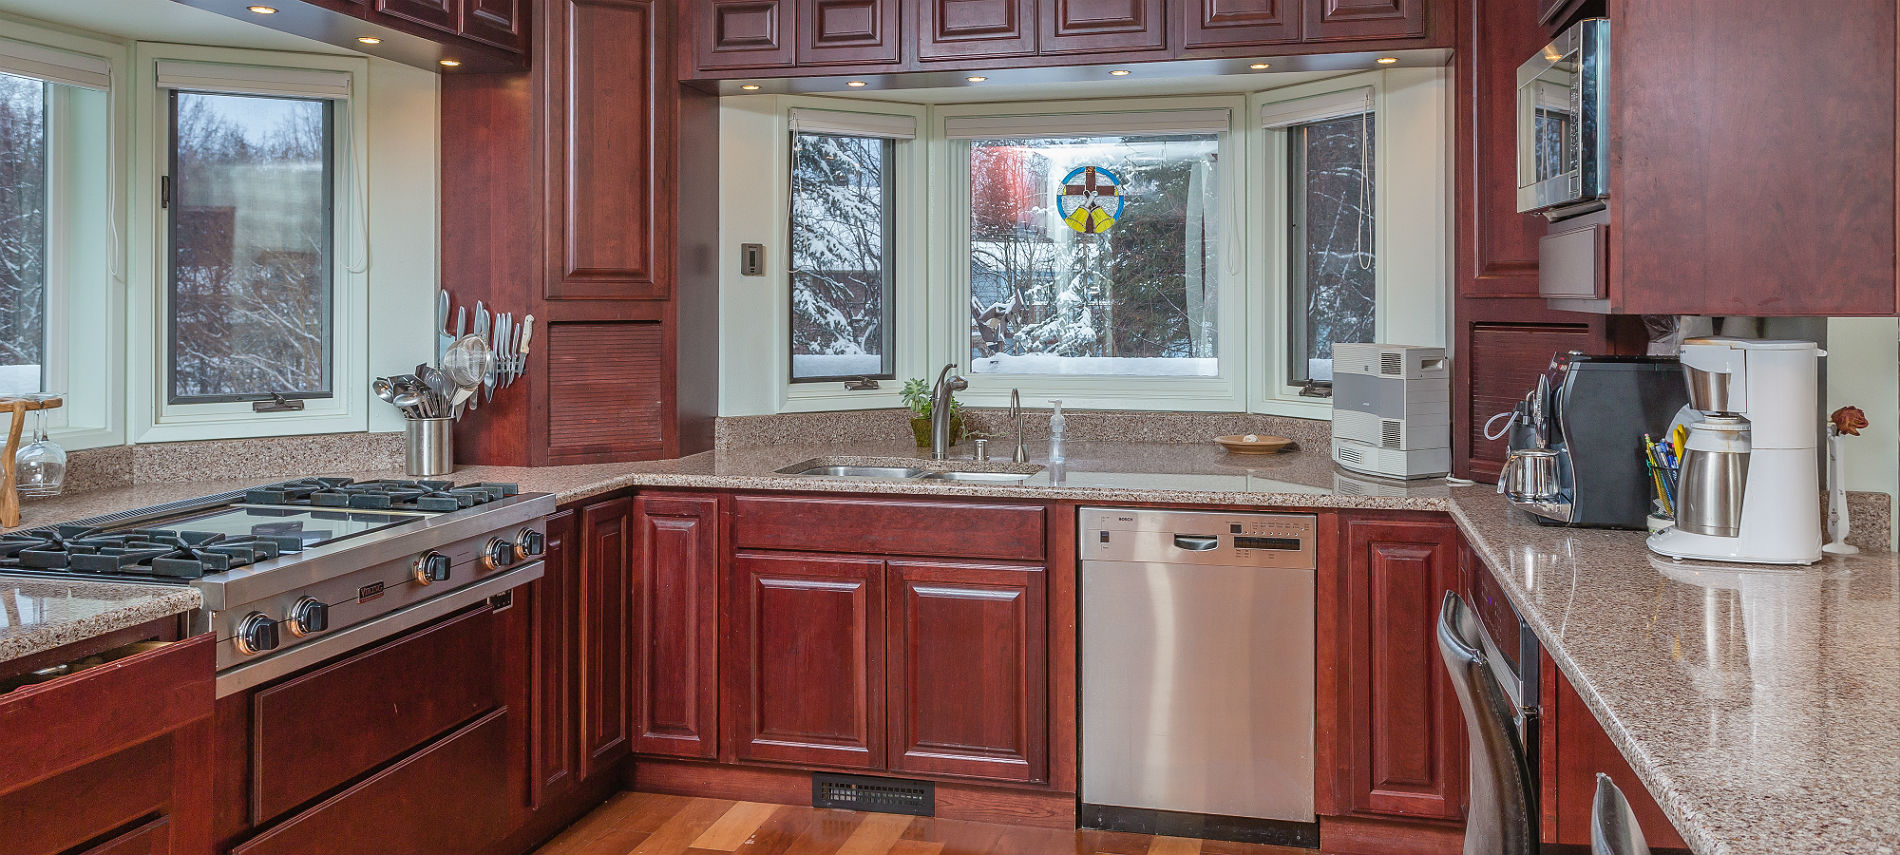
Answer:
(1759, 705)
(41, 614)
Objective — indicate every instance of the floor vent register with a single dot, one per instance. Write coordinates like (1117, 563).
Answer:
(883, 795)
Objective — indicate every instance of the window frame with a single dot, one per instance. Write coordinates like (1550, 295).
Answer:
(85, 257)
(950, 278)
(909, 326)
(891, 260)
(153, 415)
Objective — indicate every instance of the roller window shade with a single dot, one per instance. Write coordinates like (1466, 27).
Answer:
(1332, 105)
(253, 80)
(1153, 123)
(53, 65)
(853, 124)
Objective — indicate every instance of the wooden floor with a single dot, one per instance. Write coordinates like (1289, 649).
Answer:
(646, 823)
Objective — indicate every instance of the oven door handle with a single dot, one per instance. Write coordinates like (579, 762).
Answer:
(364, 634)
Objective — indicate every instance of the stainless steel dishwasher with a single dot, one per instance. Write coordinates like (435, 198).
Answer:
(1197, 673)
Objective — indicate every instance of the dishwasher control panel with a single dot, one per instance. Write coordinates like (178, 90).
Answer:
(1199, 537)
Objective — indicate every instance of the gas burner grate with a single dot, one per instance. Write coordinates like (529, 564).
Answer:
(387, 495)
(141, 553)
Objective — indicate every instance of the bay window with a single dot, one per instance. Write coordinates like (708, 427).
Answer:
(24, 199)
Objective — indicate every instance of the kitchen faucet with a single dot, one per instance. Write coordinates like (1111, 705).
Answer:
(1016, 412)
(940, 411)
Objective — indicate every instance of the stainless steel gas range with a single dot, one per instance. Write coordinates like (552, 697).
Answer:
(297, 573)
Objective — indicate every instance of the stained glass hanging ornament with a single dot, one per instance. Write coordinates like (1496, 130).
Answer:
(1091, 200)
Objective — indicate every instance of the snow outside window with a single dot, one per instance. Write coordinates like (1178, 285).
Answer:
(1332, 270)
(1132, 292)
(25, 189)
(842, 237)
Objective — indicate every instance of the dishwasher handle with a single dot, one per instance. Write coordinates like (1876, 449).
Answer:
(1196, 542)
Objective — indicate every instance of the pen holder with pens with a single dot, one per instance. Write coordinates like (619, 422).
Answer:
(1663, 460)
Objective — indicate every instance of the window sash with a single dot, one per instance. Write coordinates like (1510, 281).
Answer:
(842, 124)
(1298, 365)
(231, 79)
(328, 263)
(887, 356)
(53, 65)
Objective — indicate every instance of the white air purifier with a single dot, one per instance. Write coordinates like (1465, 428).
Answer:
(1392, 410)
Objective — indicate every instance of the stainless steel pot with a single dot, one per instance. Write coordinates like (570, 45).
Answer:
(1530, 475)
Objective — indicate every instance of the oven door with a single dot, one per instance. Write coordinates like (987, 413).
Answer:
(1562, 143)
(1514, 657)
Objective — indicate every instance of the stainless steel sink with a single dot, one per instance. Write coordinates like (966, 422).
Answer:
(980, 477)
(891, 472)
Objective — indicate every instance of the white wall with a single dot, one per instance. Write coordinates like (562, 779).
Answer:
(1862, 371)
(404, 206)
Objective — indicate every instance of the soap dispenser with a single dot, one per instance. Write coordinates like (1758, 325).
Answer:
(1056, 426)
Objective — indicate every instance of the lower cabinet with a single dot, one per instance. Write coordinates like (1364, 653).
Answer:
(605, 614)
(1574, 749)
(675, 624)
(1399, 736)
(918, 667)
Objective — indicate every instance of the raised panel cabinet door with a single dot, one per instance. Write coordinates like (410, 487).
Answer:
(968, 670)
(606, 606)
(1238, 23)
(1406, 733)
(496, 22)
(676, 613)
(554, 752)
(1351, 20)
(609, 121)
(743, 34)
(805, 678)
(1077, 26)
(848, 32)
(444, 15)
(975, 29)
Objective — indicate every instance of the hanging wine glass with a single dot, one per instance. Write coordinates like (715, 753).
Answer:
(39, 469)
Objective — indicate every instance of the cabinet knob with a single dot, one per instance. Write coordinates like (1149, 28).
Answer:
(256, 634)
(308, 616)
(432, 566)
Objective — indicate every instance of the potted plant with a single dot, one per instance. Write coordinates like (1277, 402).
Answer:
(917, 398)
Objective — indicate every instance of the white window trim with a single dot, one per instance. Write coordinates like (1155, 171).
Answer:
(86, 261)
(949, 270)
(908, 316)
(152, 418)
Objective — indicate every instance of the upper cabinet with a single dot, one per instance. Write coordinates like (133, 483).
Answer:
(1238, 23)
(973, 29)
(1075, 26)
(501, 23)
(1342, 20)
(478, 35)
(782, 38)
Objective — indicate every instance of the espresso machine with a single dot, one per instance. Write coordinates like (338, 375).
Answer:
(1750, 488)
(1576, 439)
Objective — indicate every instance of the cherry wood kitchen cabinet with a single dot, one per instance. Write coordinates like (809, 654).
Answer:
(112, 759)
(1398, 733)
(849, 32)
(1573, 750)
(606, 660)
(1348, 20)
(950, 30)
(554, 756)
(676, 620)
(805, 666)
(481, 35)
(1080, 26)
(569, 194)
(1238, 23)
(967, 670)
(744, 34)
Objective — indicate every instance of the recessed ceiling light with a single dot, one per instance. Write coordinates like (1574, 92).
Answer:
(1121, 72)
(262, 10)
(977, 79)
(1260, 66)
(856, 84)
(449, 63)
(750, 87)
(1387, 60)
(369, 40)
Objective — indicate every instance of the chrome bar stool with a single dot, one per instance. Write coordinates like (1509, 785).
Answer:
(1613, 828)
(1503, 803)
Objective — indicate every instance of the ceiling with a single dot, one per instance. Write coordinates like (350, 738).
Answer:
(160, 21)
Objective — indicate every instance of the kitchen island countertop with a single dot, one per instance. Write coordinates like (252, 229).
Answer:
(39, 614)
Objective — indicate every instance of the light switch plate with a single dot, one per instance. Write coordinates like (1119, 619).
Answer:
(752, 259)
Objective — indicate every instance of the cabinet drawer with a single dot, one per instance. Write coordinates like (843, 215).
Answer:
(885, 527)
(1575, 264)
(58, 725)
(117, 793)
(324, 728)
(453, 796)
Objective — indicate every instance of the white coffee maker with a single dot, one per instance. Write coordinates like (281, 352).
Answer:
(1749, 488)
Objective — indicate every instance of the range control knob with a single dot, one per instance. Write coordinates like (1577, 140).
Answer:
(432, 566)
(498, 554)
(255, 634)
(307, 616)
(530, 543)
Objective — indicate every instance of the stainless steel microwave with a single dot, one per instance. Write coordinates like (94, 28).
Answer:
(1563, 135)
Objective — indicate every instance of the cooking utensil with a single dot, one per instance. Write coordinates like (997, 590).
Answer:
(461, 323)
(497, 342)
(442, 334)
(383, 389)
(1530, 475)
(468, 361)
